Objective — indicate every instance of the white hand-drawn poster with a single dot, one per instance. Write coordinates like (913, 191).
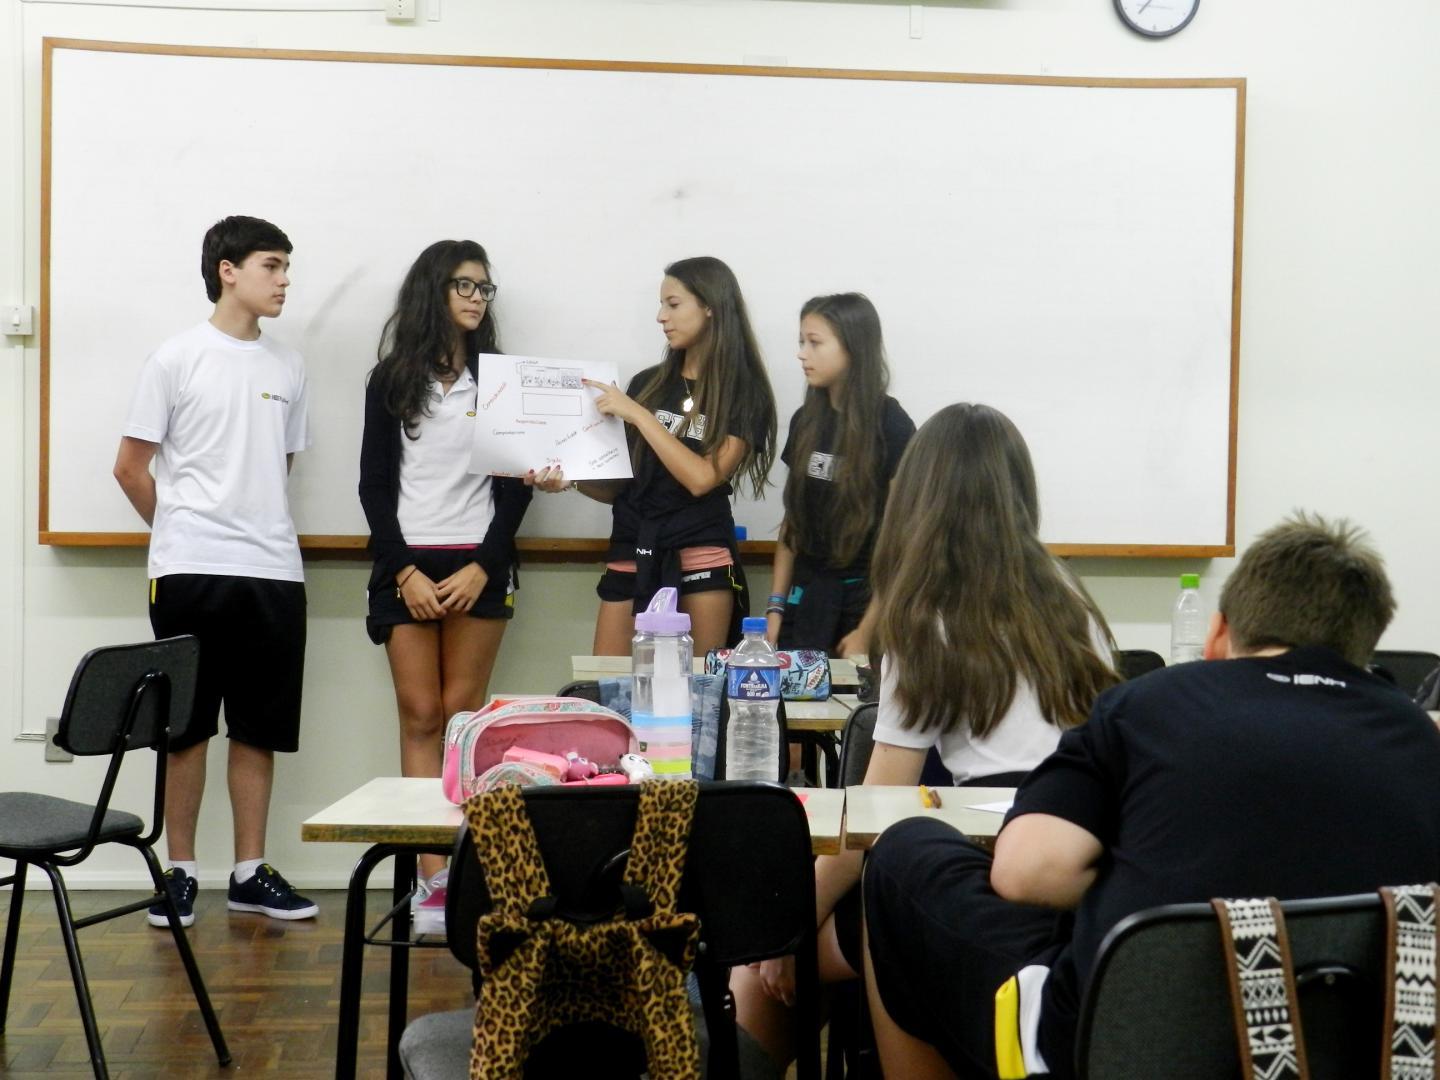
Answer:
(530, 413)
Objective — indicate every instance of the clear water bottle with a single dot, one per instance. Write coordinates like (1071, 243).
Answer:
(1187, 622)
(660, 695)
(752, 684)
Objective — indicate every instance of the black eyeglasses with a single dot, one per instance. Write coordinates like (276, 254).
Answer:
(463, 286)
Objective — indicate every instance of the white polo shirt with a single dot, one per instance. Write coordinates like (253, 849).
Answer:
(441, 501)
(225, 413)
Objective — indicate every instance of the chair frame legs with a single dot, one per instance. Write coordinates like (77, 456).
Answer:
(68, 927)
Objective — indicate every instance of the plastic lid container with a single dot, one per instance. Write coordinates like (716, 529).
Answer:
(661, 616)
(1189, 581)
(753, 625)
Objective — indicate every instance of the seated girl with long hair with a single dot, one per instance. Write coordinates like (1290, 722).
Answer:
(991, 648)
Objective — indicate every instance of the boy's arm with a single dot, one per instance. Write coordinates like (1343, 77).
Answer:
(132, 472)
(1045, 860)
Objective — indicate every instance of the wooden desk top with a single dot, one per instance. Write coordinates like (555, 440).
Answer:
(820, 715)
(871, 809)
(408, 810)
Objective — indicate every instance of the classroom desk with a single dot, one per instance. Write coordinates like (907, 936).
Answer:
(401, 818)
(871, 809)
(842, 672)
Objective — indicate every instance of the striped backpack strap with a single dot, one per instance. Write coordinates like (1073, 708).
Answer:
(1262, 990)
(1407, 1050)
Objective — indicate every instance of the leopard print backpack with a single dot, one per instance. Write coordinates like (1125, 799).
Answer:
(541, 971)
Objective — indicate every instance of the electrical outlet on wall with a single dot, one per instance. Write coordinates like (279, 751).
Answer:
(400, 10)
(53, 752)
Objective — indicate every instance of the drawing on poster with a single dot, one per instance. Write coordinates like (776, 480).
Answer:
(534, 412)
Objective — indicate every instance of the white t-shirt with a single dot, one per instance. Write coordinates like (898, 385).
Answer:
(1021, 740)
(225, 413)
(441, 501)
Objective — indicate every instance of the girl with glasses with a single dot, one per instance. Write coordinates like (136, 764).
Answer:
(443, 538)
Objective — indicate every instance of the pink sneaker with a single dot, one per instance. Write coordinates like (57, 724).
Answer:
(427, 910)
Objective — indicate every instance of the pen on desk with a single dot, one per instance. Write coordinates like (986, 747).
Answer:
(928, 798)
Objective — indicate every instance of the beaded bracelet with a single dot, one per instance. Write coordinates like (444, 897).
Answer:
(774, 609)
(777, 598)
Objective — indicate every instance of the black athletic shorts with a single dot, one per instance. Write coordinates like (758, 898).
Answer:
(387, 607)
(252, 654)
(942, 942)
(617, 585)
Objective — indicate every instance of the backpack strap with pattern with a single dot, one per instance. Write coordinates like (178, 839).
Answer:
(1262, 990)
(1407, 1050)
(540, 971)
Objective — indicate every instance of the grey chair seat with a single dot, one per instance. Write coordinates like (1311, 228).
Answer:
(437, 1047)
(32, 822)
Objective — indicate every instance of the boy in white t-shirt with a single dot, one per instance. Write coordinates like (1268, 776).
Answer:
(221, 409)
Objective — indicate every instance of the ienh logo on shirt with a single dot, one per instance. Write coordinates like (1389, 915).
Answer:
(275, 397)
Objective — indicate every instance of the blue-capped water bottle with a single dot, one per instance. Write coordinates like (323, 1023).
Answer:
(752, 683)
(660, 696)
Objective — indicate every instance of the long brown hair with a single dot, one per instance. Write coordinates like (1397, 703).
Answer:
(733, 390)
(419, 337)
(840, 528)
(970, 599)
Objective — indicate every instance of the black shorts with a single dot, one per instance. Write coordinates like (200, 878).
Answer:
(252, 654)
(854, 599)
(387, 608)
(617, 585)
(942, 942)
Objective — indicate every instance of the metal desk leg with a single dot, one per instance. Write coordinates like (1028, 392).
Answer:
(352, 957)
(399, 958)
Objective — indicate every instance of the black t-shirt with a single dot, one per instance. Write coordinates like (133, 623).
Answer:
(1289, 776)
(655, 492)
(817, 495)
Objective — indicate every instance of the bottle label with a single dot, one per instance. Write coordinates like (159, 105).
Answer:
(752, 684)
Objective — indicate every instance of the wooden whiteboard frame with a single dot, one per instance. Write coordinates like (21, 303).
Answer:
(567, 549)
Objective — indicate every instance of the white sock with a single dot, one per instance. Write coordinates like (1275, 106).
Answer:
(245, 870)
(188, 867)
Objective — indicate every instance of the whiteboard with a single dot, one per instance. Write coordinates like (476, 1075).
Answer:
(1064, 250)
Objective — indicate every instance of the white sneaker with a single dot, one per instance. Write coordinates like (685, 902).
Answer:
(427, 907)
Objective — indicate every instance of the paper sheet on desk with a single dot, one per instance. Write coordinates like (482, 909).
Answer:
(1001, 807)
(532, 412)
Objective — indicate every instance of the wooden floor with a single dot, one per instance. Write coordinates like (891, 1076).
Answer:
(275, 985)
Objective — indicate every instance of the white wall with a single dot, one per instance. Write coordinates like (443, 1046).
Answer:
(1338, 380)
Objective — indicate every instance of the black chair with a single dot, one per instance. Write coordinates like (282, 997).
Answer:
(1136, 662)
(748, 875)
(121, 698)
(589, 689)
(1406, 668)
(857, 740)
(1158, 1003)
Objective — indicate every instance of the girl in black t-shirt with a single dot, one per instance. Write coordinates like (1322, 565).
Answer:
(703, 415)
(844, 447)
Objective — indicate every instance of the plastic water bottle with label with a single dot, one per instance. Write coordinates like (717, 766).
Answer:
(660, 696)
(752, 684)
(1188, 622)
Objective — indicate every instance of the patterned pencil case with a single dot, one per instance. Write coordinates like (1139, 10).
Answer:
(804, 673)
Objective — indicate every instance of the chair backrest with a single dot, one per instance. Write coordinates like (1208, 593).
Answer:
(748, 874)
(105, 686)
(1158, 1003)
(1408, 667)
(1136, 662)
(856, 742)
(589, 689)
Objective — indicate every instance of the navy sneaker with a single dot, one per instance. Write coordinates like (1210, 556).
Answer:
(270, 894)
(182, 888)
